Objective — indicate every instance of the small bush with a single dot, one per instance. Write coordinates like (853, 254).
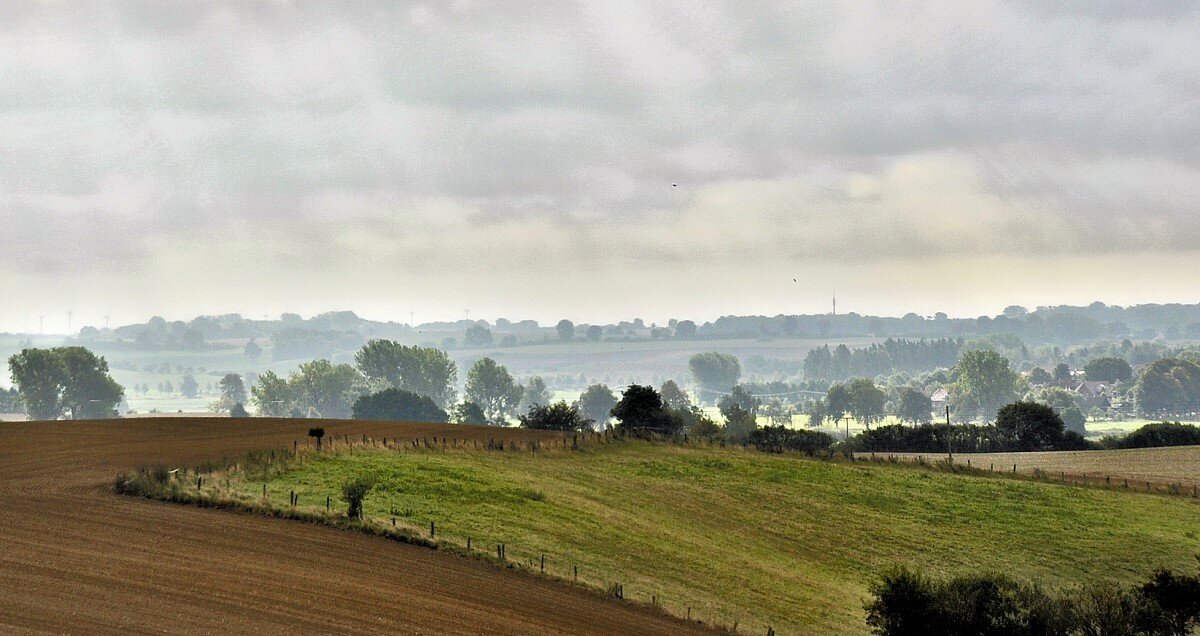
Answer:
(145, 481)
(354, 492)
(559, 416)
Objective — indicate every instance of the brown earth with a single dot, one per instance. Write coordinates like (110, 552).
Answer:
(75, 558)
(1159, 466)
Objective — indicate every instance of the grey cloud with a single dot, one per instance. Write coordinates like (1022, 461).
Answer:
(136, 125)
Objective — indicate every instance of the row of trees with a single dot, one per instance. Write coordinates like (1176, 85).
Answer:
(890, 356)
(322, 388)
(1019, 427)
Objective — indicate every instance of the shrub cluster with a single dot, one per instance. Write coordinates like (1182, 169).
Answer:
(907, 602)
(965, 438)
(777, 439)
(1158, 434)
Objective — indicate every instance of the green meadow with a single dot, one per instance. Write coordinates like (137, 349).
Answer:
(748, 538)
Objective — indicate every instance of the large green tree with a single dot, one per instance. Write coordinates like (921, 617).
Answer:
(1109, 369)
(64, 381)
(422, 370)
(319, 389)
(741, 399)
(492, 387)
(477, 337)
(596, 402)
(1033, 426)
(985, 383)
(837, 403)
(272, 395)
(1167, 387)
(673, 396)
(866, 401)
(914, 407)
(715, 372)
(534, 393)
(641, 409)
(1065, 403)
(327, 389)
(566, 330)
(233, 389)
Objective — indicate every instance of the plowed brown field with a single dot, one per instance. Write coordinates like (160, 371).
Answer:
(75, 558)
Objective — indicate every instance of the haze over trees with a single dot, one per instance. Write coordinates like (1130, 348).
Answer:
(319, 389)
(715, 372)
(1108, 370)
(985, 382)
(534, 393)
(914, 407)
(490, 386)
(64, 381)
(397, 404)
(421, 370)
(1168, 387)
(596, 403)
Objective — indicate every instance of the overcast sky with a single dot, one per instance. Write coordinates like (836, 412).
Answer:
(596, 161)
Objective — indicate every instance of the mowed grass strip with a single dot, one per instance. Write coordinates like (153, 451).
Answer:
(752, 538)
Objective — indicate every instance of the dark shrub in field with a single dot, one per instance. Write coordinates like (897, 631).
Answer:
(930, 438)
(397, 404)
(1161, 434)
(776, 439)
(555, 417)
(906, 602)
(353, 493)
(144, 481)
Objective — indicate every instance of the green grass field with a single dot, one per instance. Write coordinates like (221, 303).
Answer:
(753, 538)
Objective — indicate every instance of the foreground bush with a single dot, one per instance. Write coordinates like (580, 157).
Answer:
(353, 493)
(1160, 434)
(907, 602)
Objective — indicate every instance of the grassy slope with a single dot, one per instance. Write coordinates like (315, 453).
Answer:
(755, 538)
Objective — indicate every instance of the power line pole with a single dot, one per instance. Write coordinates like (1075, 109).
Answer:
(949, 437)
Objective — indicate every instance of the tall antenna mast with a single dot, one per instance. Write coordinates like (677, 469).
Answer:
(467, 313)
(835, 302)
(411, 318)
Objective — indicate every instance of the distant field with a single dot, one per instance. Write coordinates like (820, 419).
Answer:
(1179, 464)
(754, 538)
(618, 363)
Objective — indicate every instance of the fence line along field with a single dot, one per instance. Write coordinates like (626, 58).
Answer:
(734, 536)
(78, 559)
(1170, 465)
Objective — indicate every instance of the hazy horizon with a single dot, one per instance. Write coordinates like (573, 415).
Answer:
(597, 162)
